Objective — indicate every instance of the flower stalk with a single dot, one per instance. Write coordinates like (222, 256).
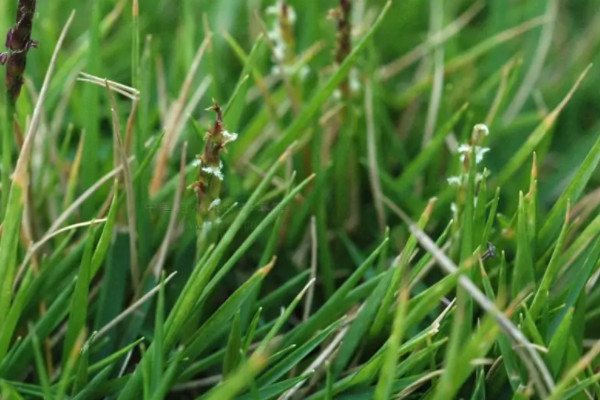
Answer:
(18, 43)
(207, 186)
(344, 37)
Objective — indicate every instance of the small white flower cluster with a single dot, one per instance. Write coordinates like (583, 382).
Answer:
(276, 34)
(353, 83)
(465, 149)
(214, 203)
(216, 170)
(229, 137)
(479, 130)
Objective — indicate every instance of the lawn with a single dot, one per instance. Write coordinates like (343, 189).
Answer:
(340, 199)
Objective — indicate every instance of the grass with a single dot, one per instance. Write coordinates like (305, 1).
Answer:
(313, 200)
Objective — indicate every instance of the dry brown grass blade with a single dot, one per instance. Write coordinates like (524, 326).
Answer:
(173, 120)
(129, 193)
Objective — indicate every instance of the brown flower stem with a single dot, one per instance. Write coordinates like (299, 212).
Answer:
(208, 185)
(18, 42)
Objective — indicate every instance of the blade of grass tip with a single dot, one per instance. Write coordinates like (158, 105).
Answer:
(129, 192)
(572, 193)
(15, 202)
(251, 331)
(79, 301)
(523, 273)
(240, 378)
(390, 359)
(551, 271)
(521, 155)
(314, 105)
(40, 365)
(234, 345)
(538, 370)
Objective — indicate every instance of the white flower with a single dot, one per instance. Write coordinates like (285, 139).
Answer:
(214, 170)
(482, 128)
(354, 80)
(228, 136)
(455, 180)
(206, 228)
(273, 10)
(196, 162)
(465, 149)
(214, 203)
(304, 71)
